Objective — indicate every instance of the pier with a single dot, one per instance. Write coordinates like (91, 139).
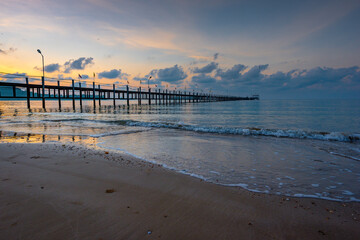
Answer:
(123, 94)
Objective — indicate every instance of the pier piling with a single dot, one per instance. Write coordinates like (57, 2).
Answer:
(59, 95)
(27, 93)
(127, 96)
(73, 94)
(94, 101)
(99, 95)
(114, 95)
(43, 91)
(80, 92)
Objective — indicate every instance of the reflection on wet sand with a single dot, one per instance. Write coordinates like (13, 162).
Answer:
(14, 137)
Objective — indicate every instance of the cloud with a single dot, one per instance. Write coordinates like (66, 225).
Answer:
(15, 77)
(206, 69)
(234, 77)
(49, 68)
(142, 78)
(254, 73)
(200, 59)
(77, 64)
(124, 76)
(110, 74)
(231, 74)
(317, 78)
(114, 73)
(10, 50)
(52, 67)
(324, 78)
(203, 79)
(216, 55)
(319, 82)
(172, 74)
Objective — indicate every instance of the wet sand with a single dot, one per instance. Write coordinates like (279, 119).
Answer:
(56, 191)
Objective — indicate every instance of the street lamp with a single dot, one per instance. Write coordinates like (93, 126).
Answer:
(43, 80)
(42, 62)
(148, 80)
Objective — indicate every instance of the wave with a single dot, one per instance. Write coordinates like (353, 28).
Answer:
(125, 131)
(281, 133)
(249, 131)
(345, 156)
(299, 195)
(344, 197)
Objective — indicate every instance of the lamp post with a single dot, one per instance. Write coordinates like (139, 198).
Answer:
(149, 80)
(42, 62)
(42, 80)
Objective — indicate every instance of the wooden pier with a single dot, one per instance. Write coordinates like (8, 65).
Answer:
(95, 93)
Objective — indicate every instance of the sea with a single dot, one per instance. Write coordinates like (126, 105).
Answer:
(297, 148)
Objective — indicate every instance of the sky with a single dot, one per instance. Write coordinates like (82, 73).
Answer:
(278, 49)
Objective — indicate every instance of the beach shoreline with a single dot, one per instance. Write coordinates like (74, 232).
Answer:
(68, 191)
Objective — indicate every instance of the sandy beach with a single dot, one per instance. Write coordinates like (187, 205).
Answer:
(57, 191)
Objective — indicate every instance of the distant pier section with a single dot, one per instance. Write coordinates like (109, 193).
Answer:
(78, 91)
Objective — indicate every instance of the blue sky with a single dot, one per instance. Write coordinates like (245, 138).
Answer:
(279, 49)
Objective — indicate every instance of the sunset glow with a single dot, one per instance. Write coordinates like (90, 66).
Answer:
(130, 40)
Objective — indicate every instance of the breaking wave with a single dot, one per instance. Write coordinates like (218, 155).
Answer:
(301, 134)
(247, 131)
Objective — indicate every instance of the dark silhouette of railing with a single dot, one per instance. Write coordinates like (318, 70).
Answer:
(97, 94)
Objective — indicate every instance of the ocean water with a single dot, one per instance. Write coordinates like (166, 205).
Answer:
(301, 148)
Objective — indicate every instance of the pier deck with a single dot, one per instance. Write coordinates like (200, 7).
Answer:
(95, 93)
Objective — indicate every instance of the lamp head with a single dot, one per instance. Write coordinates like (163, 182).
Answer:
(39, 51)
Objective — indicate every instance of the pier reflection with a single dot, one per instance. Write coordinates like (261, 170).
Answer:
(15, 108)
(14, 137)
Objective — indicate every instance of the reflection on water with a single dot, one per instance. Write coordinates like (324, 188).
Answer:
(14, 107)
(14, 137)
(307, 115)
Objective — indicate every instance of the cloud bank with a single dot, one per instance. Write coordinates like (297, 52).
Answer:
(232, 74)
(78, 64)
(206, 69)
(319, 81)
(112, 74)
(173, 74)
(52, 67)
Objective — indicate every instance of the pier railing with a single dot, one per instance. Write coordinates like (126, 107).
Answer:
(49, 91)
